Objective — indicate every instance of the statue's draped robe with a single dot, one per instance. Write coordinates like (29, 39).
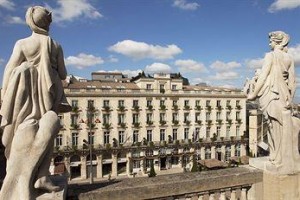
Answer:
(34, 88)
(274, 97)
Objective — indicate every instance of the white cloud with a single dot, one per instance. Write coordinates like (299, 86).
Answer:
(225, 76)
(256, 63)
(14, 20)
(284, 4)
(131, 73)
(83, 60)
(222, 66)
(190, 66)
(228, 86)
(158, 68)
(69, 10)
(295, 52)
(113, 59)
(7, 4)
(184, 5)
(140, 50)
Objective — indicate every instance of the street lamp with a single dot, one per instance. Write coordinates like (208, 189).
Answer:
(91, 160)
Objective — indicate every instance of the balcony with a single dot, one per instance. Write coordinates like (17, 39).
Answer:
(106, 125)
(228, 107)
(239, 121)
(75, 109)
(209, 122)
(150, 107)
(208, 108)
(121, 108)
(198, 108)
(219, 108)
(219, 121)
(91, 109)
(175, 122)
(149, 123)
(187, 107)
(136, 108)
(91, 126)
(175, 107)
(238, 107)
(229, 121)
(187, 122)
(136, 125)
(122, 125)
(74, 126)
(106, 109)
(162, 107)
(199, 122)
(162, 122)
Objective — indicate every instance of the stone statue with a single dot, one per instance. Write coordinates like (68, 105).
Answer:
(32, 95)
(275, 88)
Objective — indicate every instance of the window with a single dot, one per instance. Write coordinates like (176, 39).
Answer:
(106, 137)
(135, 136)
(174, 87)
(61, 120)
(207, 132)
(149, 117)
(207, 116)
(74, 139)
(218, 103)
(207, 103)
(186, 117)
(58, 140)
(136, 164)
(207, 153)
(238, 131)
(105, 103)
(186, 103)
(121, 137)
(149, 103)
(227, 153)
(135, 103)
(237, 151)
(121, 103)
(90, 103)
(197, 117)
(135, 118)
(218, 115)
(197, 130)
(161, 86)
(91, 138)
(148, 163)
(186, 133)
(227, 103)
(74, 103)
(175, 117)
(228, 116)
(74, 119)
(175, 102)
(197, 103)
(148, 86)
(237, 103)
(121, 118)
(149, 135)
(162, 102)
(238, 115)
(162, 117)
(227, 132)
(174, 134)
(162, 134)
(218, 131)
(106, 118)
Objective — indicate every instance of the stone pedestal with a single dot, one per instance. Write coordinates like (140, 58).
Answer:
(281, 187)
(60, 195)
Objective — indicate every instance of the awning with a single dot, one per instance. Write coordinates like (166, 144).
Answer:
(212, 163)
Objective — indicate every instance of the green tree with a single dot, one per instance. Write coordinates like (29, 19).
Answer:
(152, 171)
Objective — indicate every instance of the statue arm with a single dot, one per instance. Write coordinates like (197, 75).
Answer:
(15, 60)
(62, 71)
(263, 76)
(292, 80)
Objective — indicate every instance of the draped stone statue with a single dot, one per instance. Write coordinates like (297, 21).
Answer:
(32, 95)
(275, 87)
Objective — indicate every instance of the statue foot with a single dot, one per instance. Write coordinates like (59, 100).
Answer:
(46, 184)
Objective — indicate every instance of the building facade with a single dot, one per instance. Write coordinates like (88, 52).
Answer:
(159, 120)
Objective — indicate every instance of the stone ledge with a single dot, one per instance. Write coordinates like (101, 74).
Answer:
(168, 185)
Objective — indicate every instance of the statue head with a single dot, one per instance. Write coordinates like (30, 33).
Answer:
(38, 19)
(279, 39)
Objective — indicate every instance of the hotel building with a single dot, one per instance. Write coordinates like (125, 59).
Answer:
(131, 123)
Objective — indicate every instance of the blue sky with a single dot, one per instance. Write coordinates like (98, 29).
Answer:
(220, 42)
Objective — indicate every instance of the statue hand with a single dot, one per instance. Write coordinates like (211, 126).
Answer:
(251, 97)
